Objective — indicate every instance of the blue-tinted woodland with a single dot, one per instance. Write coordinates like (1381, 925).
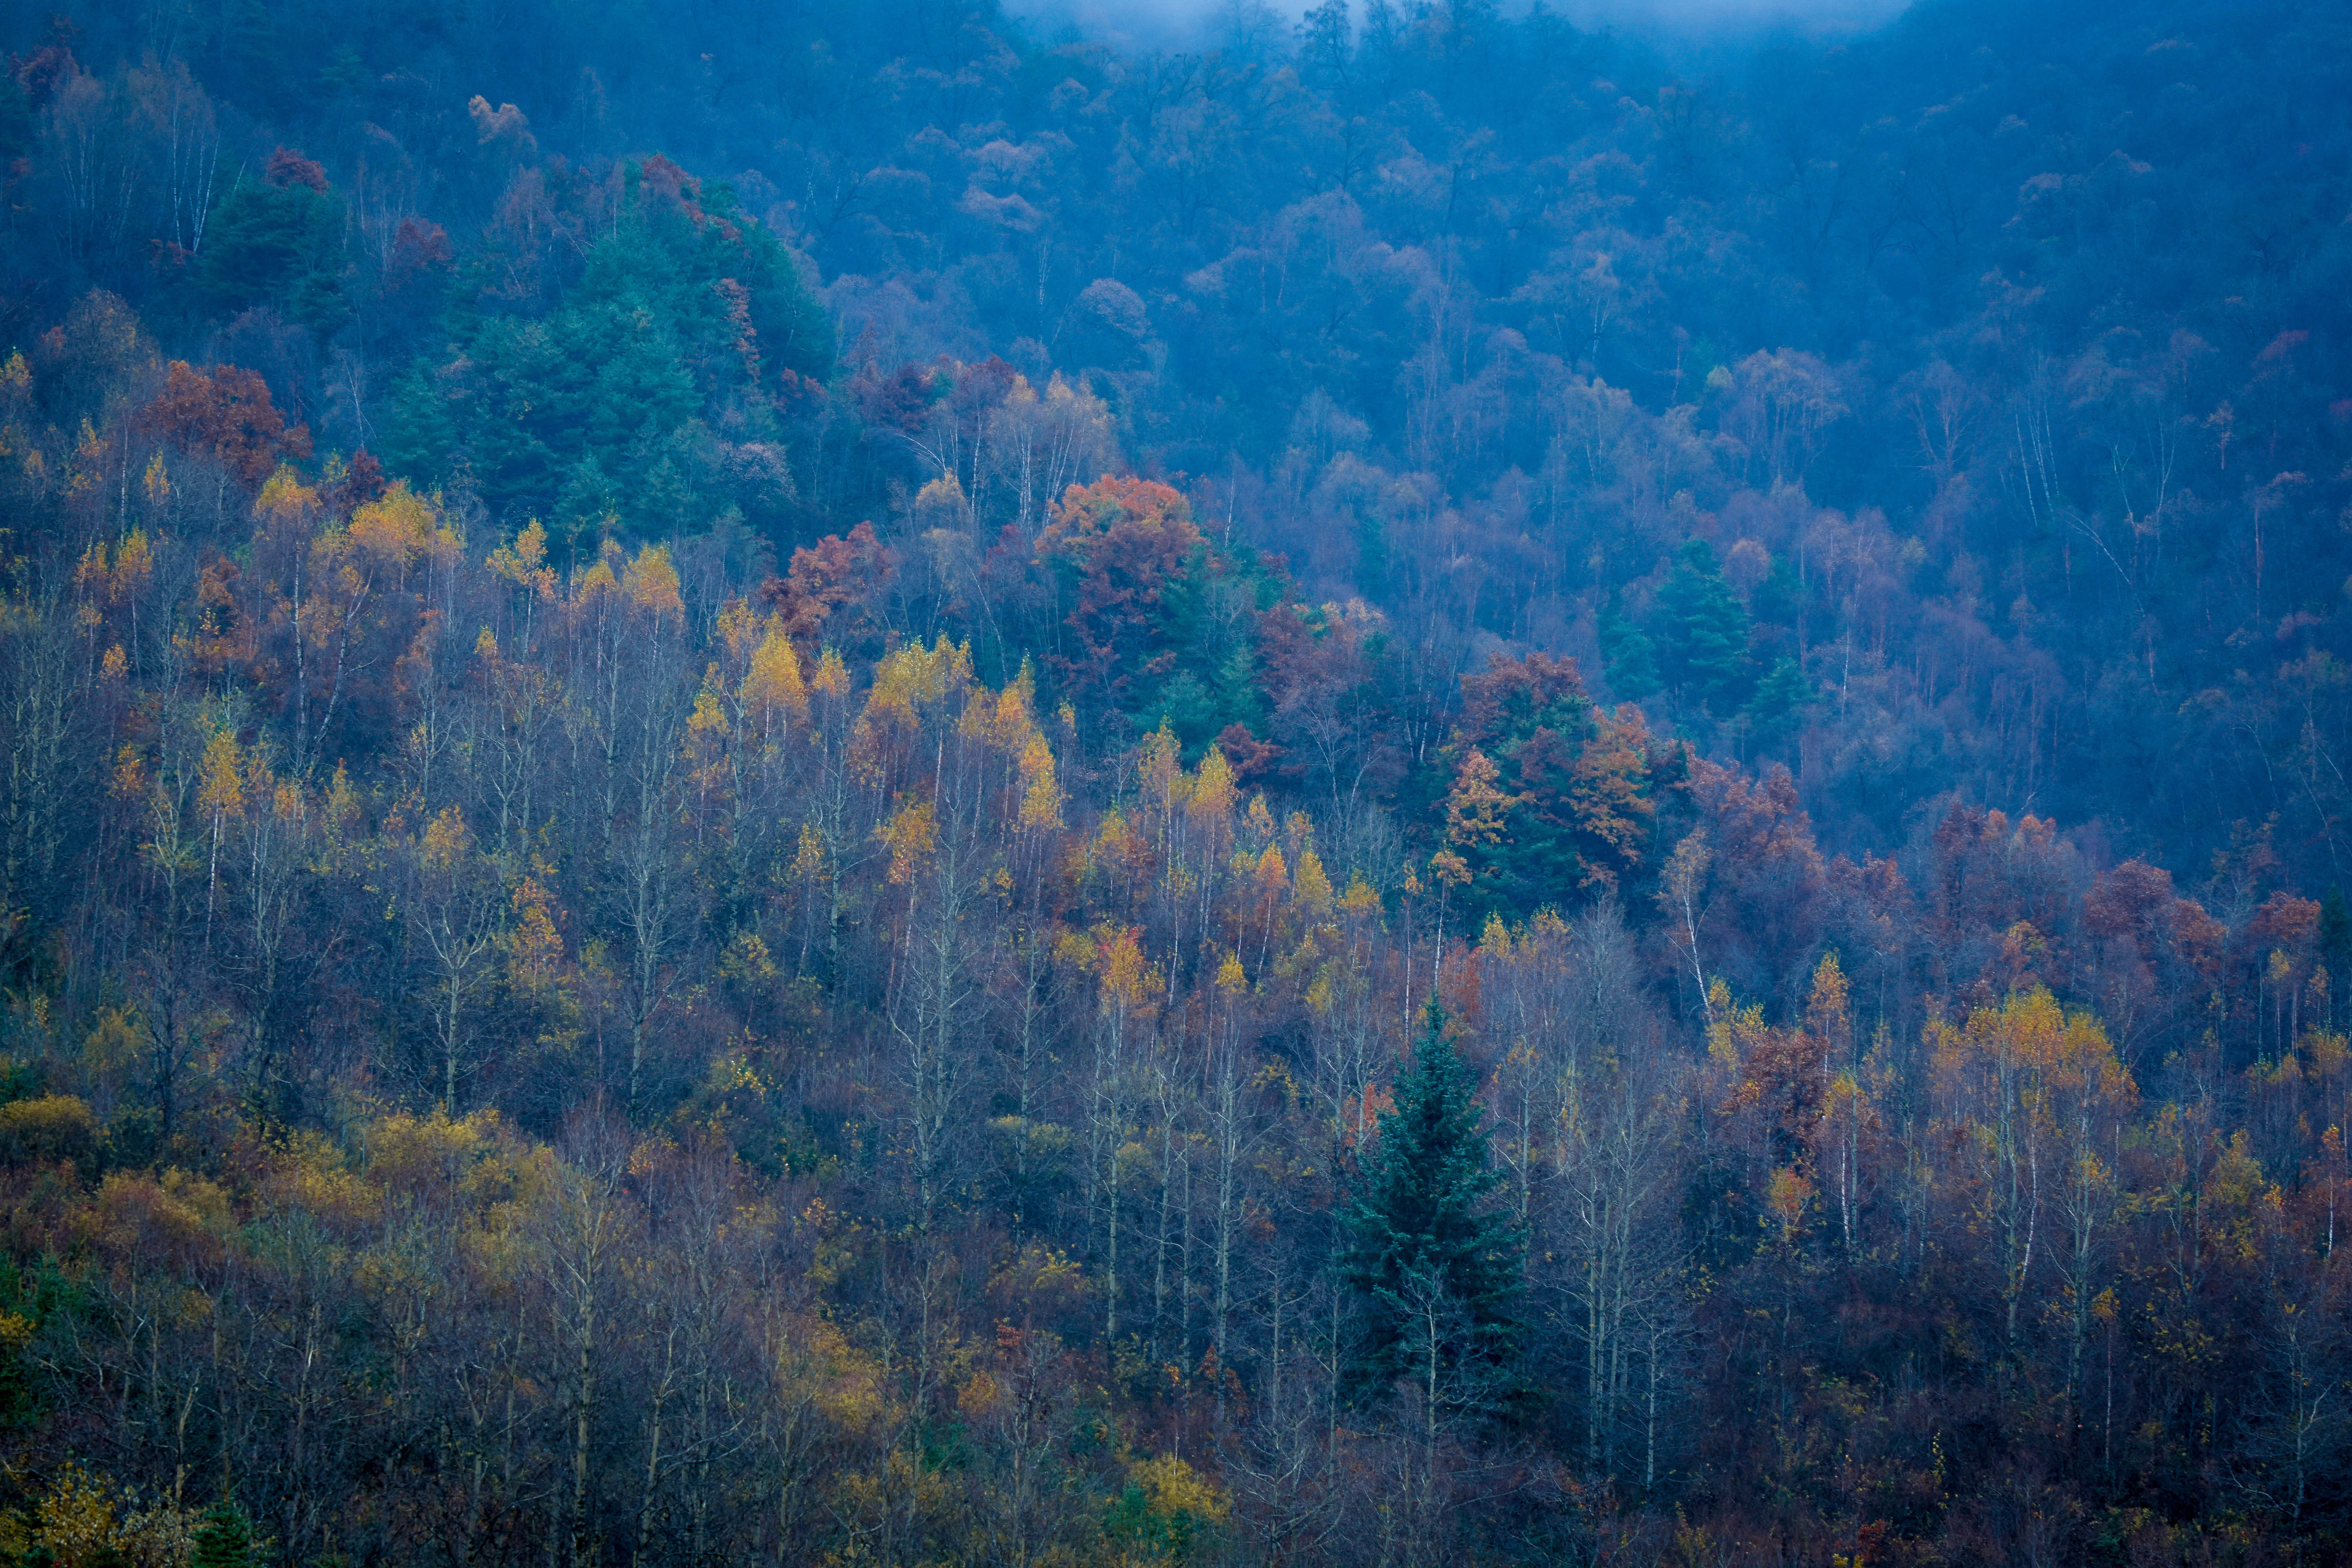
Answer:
(868, 784)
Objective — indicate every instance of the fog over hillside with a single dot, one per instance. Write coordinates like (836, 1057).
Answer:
(1145, 24)
(920, 784)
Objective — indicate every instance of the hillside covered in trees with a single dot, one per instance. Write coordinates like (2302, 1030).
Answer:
(842, 785)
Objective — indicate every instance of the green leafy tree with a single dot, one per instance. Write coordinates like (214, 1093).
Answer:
(1436, 1264)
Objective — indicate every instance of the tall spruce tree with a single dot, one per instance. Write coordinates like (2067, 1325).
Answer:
(222, 1538)
(1700, 629)
(1626, 654)
(1436, 1263)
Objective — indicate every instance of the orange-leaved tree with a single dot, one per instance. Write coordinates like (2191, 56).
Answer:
(1115, 546)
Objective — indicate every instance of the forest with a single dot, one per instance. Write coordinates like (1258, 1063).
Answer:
(843, 784)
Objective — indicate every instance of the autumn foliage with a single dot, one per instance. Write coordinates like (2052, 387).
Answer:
(757, 1056)
(1390, 792)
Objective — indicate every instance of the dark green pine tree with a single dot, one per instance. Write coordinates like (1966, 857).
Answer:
(1626, 656)
(1772, 713)
(1437, 1267)
(224, 1537)
(1700, 628)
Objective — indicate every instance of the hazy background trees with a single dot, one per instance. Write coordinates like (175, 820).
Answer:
(744, 749)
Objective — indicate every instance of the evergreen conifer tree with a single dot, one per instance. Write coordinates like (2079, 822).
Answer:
(1436, 1264)
(1628, 658)
(222, 1538)
(1701, 630)
(1772, 711)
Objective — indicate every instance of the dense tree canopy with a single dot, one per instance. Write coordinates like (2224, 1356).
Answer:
(862, 784)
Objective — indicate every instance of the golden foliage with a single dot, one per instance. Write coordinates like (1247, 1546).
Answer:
(832, 676)
(174, 1216)
(86, 1519)
(534, 947)
(284, 498)
(810, 861)
(439, 1161)
(651, 583)
(1212, 793)
(49, 1127)
(523, 563)
(1230, 978)
(447, 841)
(772, 684)
(396, 527)
(913, 675)
(911, 833)
(1041, 797)
(1475, 806)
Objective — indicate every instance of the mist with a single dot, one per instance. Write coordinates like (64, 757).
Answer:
(1127, 25)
